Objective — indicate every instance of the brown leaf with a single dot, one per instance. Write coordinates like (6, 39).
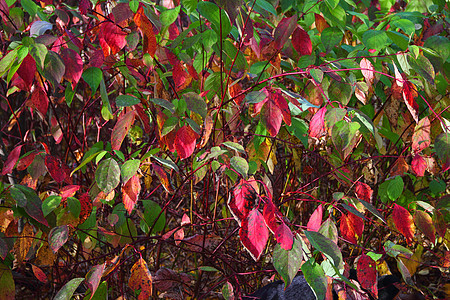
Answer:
(141, 279)
(23, 243)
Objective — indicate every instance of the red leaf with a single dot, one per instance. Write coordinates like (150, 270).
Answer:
(84, 6)
(113, 36)
(419, 165)
(11, 160)
(121, 129)
(141, 279)
(185, 142)
(27, 70)
(163, 177)
(284, 31)
(173, 31)
(364, 191)
(404, 222)
(130, 193)
(424, 222)
(40, 275)
(74, 65)
(95, 275)
(284, 236)
(55, 168)
(179, 76)
(272, 117)
(421, 136)
(316, 219)
(282, 104)
(26, 161)
(86, 206)
(68, 191)
(146, 28)
(254, 234)
(243, 200)
(235, 90)
(301, 42)
(317, 124)
(40, 100)
(270, 214)
(4, 11)
(409, 94)
(366, 272)
(321, 24)
(351, 227)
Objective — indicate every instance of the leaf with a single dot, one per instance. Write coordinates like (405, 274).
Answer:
(39, 28)
(74, 65)
(94, 276)
(367, 70)
(316, 219)
(240, 165)
(442, 147)
(375, 39)
(93, 76)
(196, 103)
(243, 200)
(270, 214)
(4, 250)
(23, 243)
(55, 168)
(316, 278)
(153, 216)
(57, 237)
(33, 205)
(418, 165)
(8, 60)
(39, 274)
(54, 68)
(364, 191)
(403, 222)
(185, 141)
(345, 137)
(169, 16)
(254, 234)
(11, 161)
(351, 227)
(146, 28)
(282, 104)
(367, 274)
(395, 188)
(373, 210)
(121, 129)
(40, 101)
(284, 30)
(219, 19)
(107, 175)
(320, 22)
(424, 222)
(113, 36)
(327, 247)
(317, 124)
(129, 169)
(288, 262)
(423, 67)
(67, 291)
(141, 279)
(234, 146)
(421, 136)
(328, 229)
(127, 100)
(27, 70)
(130, 193)
(330, 37)
(163, 177)
(284, 236)
(7, 285)
(409, 94)
(272, 116)
(301, 41)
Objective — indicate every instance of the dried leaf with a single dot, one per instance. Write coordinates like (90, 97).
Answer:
(424, 222)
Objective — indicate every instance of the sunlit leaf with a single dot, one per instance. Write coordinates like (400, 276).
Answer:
(284, 236)
(141, 279)
(254, 234)
(326, 246)
(288, 262)
(316, 219)
(58, 236)
(418, 165)
(121, 129)
(130, 193)
(404, 222)
(185, 142)
(107, 175)
(442, 146)
(284, 30)
(243, 200)
(421, 137)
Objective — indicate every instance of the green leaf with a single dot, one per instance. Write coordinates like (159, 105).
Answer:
(404, 24)
(93, 76)
(126, 100)
(208, 269)
(196, 103)
(218, 17)
(7, 60)
(164, 103)
(234, 146)
(66, 292)
(422, 66)
(375, 39)
(169, 125)
(54, 68)
(38, 52)
(240, 165)
(266, 6)
(50, 203)
(332, 3)
(288, 262)
(169, 16)
(395, 188)
(442, 147)
(189, 5)
(150, 218)
(33, 205)
(399, 39)
(327, 247)
(107, 175)
(334, 115)
(315, 276)
(372, 209)
(18, 196)
(166, 162)
(330, 37)
(256, 96)
(30, 7)
(129, 169)
(299, 128)
(74, 206)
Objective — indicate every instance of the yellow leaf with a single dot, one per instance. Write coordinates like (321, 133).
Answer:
(23, 243)
(414, 261)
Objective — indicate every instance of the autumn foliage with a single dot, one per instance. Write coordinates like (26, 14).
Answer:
(188, 149)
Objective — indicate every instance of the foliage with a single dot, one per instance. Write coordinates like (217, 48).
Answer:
(186, 148)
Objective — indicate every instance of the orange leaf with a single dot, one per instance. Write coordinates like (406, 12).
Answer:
(146, 28)
(141, 279)
(121, 129)
(321, 24)
(404, 222)
(130, 193)
(40, 275)
(409, 93)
